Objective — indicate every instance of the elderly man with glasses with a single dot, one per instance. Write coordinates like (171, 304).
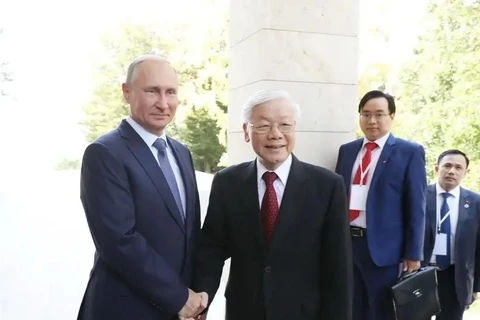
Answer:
(283, 223)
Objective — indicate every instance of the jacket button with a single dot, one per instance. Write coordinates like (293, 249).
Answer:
(268, 269)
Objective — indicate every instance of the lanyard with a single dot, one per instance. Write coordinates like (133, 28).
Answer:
(443, 219)
(364, 171)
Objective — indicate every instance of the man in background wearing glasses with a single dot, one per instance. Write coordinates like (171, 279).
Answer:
(386, 182)
(283, 223)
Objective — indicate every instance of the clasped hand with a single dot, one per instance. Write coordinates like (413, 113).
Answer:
(195, 305)
(410, 265)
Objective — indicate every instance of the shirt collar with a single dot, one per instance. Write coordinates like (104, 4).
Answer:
(454, 192)
(380, 142)
(282, 171)
(146, 136)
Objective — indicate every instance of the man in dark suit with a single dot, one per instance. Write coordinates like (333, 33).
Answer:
(283, 223)
(452, 235)
(386, 180)
(139, 193)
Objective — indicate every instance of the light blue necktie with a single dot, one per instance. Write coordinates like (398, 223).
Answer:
(161, 145)
(445, 261)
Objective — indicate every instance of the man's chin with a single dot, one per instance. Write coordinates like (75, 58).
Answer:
(271, 163)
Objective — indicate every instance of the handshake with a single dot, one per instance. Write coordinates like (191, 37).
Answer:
(195, 305)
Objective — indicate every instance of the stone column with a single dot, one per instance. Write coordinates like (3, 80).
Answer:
(308, 48)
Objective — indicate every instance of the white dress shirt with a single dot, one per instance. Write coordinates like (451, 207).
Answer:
(361, 221)
(149, 139)
(453, 205)
(279, 185)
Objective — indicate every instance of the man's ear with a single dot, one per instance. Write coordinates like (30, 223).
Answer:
(126, 92)
(246, 133)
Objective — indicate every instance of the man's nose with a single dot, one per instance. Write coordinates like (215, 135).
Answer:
(372, 119)
(275, 133)
(161, 102)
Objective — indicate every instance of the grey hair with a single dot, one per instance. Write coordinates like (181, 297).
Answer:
(139, 60)
(263, 96)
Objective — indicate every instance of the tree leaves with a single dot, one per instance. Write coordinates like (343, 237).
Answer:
(200, 58)
(440, 94)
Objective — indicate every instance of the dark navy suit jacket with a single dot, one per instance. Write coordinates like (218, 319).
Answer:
(396, 199)
(467, 241)
(143, 260)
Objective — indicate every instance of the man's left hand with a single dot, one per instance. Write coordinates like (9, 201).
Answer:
(410, 265)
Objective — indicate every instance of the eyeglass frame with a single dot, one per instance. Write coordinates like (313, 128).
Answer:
(377, 116)
(270, 127)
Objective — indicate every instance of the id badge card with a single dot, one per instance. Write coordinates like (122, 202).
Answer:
(358, 197)
(440, 248)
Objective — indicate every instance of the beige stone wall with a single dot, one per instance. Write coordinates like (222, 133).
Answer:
(308, 48)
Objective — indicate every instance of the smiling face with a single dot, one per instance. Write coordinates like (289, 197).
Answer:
(152, 95)
(451, 170)
(272, 147)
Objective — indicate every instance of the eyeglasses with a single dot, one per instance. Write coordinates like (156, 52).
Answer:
(263, 128)
(368, 116)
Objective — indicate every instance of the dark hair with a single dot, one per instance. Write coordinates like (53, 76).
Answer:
(377, 94)
(452, 151)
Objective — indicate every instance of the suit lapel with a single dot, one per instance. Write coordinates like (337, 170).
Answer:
(291, 202)
(188, 183)
(348, 169)
(383, 160)
(248, 195)
(432, 209)
(463, 213)
(146, 159)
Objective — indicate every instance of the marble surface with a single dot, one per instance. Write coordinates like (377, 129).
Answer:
(293, 56)
(314, 16)
(307, 48)
(319, 103)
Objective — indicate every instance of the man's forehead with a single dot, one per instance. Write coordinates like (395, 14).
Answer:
(152, 69)
(379, 102)
(454, 159)
(270, 117)
(278, 106)
(157, 64)
(374, 108)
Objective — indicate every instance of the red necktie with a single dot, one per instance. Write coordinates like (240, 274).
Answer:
(367, 157)
(269, 210)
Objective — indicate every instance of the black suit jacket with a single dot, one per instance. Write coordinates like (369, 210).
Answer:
(306, 273)
(467, 241)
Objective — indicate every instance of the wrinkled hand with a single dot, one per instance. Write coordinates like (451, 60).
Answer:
(196, 303)
(202, 316)
(410, 265)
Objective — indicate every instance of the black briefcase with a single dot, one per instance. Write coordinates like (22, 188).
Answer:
(415, 296)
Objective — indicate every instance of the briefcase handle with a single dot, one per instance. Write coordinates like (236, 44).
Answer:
(405, 275)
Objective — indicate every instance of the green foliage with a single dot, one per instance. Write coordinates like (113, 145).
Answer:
(107, 106)
(374, 77)
(200, 58)
(440, 92)
(201, 136)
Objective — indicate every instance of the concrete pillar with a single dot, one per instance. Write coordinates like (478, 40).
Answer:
(308, 48)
